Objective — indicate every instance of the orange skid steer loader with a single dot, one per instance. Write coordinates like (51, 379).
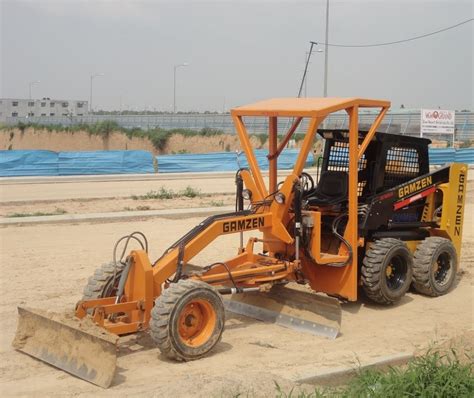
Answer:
(373, 219)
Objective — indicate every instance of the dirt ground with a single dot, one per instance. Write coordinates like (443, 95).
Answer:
(46, 266)
(84, 206)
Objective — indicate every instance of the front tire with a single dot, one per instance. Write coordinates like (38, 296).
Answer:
(102, 283)
(387, 271)
(187, 320)
(435, 265)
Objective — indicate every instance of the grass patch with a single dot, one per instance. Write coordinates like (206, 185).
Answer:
(56, 212)
(164, 193)
(216, 203)
(190, 192)
(432, 375)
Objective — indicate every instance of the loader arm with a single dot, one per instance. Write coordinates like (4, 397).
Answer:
(144, 281)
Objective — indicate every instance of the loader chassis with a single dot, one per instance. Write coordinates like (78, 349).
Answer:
(381, 170)
(375, 217)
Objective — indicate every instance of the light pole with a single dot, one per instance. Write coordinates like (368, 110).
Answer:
(326, 47)
(174, 84)
(90, 97)
(307, 61)
(30, 84)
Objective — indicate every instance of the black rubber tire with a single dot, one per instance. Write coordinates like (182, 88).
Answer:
(166, 314)
(100, 284)
(374, 269)
(429, 252)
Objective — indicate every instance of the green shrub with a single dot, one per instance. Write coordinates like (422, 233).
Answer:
(56, 212)
(428, 376)
(190, 192)
(164, 193)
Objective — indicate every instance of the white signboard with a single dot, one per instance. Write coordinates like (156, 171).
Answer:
(437, 121)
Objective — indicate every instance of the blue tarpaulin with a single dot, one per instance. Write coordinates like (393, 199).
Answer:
(465, 155)
(28, 163)
(223, 161)
(105, 162)
(48, 163)
(448, 155)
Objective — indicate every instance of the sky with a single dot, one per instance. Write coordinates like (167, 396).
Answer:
(238, 51)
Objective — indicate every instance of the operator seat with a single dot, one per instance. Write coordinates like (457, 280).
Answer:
(331, 189)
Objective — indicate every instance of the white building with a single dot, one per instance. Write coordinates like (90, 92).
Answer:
(16, 107)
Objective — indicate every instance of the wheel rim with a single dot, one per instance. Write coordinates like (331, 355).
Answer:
(196, 323)
(442, 269)
(396, 273)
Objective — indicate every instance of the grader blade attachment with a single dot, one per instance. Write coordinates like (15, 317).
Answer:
(292, 308)
(76, 346)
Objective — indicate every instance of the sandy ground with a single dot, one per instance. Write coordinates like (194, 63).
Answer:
(84, 206)
(107, 189)
(27, 189)
(46, 266)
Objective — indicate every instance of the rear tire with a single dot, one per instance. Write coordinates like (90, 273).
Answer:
(102, 283)
(387, 270)
(187, 320)
(434, 267)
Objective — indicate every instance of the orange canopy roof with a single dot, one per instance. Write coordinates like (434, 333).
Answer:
(304, 106)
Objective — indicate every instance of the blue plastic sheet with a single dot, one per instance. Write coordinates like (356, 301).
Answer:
(47, 163)
(105, 162)
(223, 161)
(28, 163)
(465, 155)
(441, 156)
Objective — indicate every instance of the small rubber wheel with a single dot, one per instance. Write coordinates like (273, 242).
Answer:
(387, 270)
(434, 266)
(187, 320)
(102, 283)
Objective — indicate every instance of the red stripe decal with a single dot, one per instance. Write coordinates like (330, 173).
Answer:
(414, 198)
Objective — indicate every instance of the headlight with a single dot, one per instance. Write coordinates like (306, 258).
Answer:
(280, 198)
(247, 194)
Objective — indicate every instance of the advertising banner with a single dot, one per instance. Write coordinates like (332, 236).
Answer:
(437, 121)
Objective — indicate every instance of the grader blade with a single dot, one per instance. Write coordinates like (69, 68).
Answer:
(76, 346)
(291, 307)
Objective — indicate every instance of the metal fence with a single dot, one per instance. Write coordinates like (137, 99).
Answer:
(401, 122)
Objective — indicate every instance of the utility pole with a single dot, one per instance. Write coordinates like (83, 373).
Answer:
(326, 47)
(30, 84)
(90, 96)
(174, 84)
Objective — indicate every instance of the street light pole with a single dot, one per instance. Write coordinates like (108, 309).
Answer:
(306, 60)
(174, 84)
(90, 94)
(326, 47)
(31, 84)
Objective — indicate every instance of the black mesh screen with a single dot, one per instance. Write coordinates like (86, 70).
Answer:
(339, 161)
(402, 165)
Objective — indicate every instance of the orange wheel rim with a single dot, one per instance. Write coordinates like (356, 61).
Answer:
(196, 322)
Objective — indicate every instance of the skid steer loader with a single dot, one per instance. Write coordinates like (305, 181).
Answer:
(373, 219)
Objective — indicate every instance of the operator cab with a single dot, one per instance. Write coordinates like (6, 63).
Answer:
(388, 161)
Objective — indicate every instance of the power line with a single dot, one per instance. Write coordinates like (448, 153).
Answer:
(397, 41)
